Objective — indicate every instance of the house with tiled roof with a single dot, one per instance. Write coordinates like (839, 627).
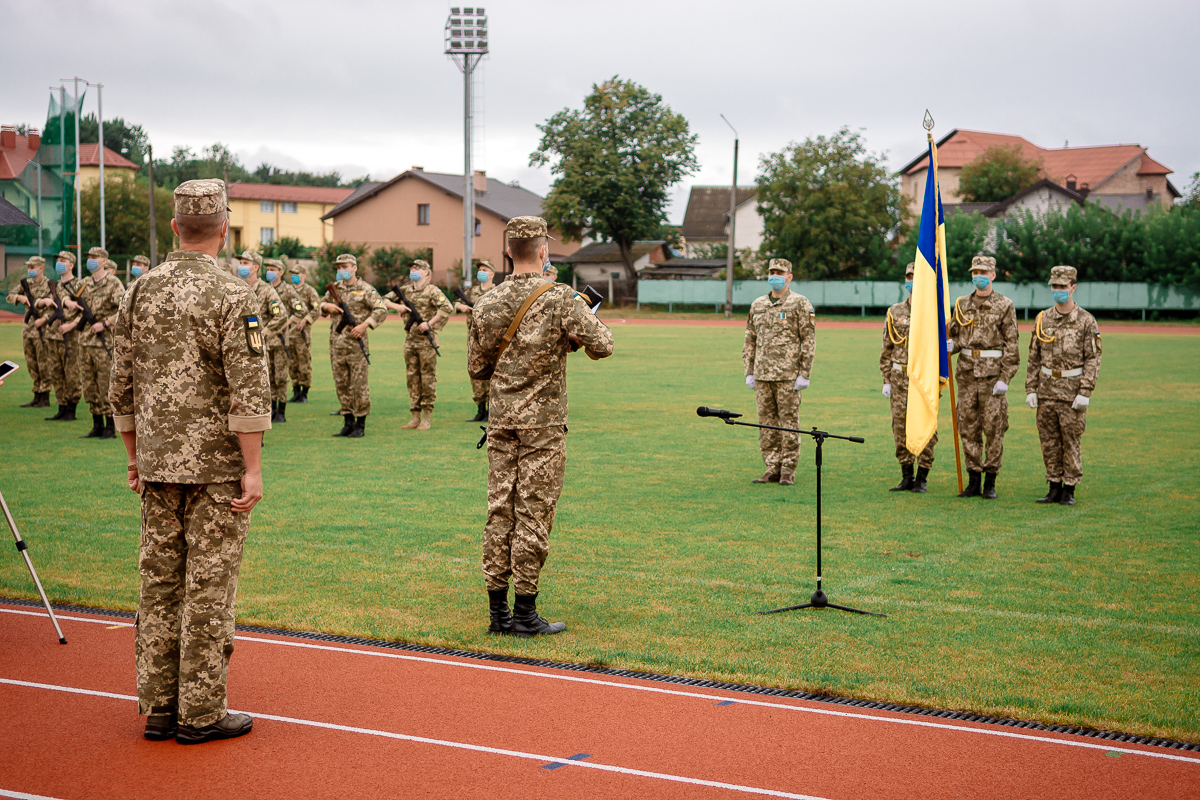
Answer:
(1116, 176)
(263, 213)
(115, 165)
(706, 219)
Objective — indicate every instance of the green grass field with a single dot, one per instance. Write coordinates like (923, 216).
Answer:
(663, 551)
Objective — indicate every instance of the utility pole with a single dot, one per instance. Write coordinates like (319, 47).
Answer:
(732, 226)
(100, 117)
(466, 43)
(153, 221)
(38, 164)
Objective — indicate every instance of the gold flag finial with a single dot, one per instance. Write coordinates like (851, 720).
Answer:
(928, 123)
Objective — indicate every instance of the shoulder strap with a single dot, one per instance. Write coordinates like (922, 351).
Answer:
(506, 340)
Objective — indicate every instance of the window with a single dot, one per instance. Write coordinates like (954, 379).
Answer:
(478, 227)
(423, 213)
(266, 206)
(266, 236)
(288, 208)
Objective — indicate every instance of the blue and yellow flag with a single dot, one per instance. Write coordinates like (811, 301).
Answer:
(928, 362)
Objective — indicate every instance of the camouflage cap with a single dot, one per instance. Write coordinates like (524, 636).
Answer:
(273, 262)
(421, 263)
(346, 258)
(145, 262)
(1062, 274)
(781, 264)
(201, 198)
(983, 262)
(911, 269)
(65, 255)
(294, 269)
(35, 261)
(98, 252)
(527, 228)
(485, 264)
(111, 264)
(250, 255)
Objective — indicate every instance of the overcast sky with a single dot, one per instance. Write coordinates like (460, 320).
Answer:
(364, 87)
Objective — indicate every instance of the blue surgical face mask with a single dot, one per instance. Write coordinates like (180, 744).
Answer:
(296, 279)
(343, 274)
(981, 281)
(777, 282)
(908, 286)
(61, 267)
(414, 276)
(272, 275)
(481, 276)
(135, 272)
(31, 273)
(93, 265)
(1060, 295)
(243, 271)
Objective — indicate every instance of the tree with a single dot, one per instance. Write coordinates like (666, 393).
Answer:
(127, 216)
(214, 161)
(286, 247)
(1192, 198)
(966, 235)
(120, 136)
(266, 173)
(615, 161)
(830, 207)
(997, 175)
(390, 264)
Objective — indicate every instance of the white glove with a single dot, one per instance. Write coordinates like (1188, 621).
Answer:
(750, 381)
(887, 391)
(1080, 402)
(1000, 388)
(1031, 399)
(801, 383)
(949, 345)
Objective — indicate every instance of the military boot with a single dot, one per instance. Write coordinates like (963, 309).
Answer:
(43, 400)
(274, 411)
(160, 727)
(481, 415)
(69, 415)
(347, 426)
(919, 481)
(770, 476)
(278, 416)
(297, 391)
(989, 486)
(906, 479)
(412, 423)
(304, 397)
(972, 489)
(1068, 495)
(61, 411)
(501, 617)
(426, 419)
(1053, 495)
(110, 429)
(787, 478)
(97, 428)
(360, 428)
(527, 621)
(229, 726)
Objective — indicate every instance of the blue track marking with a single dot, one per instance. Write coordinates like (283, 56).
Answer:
(727, 703)
(557, 764)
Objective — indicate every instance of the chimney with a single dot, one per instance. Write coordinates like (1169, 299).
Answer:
(8, 136)
(35, 139)
(1071, 183)
(417, 168)
(1084, 189)
(480, 182)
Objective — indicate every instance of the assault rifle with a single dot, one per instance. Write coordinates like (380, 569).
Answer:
(347, 319)
(462, 297)
(58, 315)
(30, 311)
(414, 317)
(90, 319)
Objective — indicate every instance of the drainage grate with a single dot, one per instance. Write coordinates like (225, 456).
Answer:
(1116, 736)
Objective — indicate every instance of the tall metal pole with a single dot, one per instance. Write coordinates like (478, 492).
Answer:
(732, 226)
(468, 176)
(153, 221)
(78, 195)
(62, 164)
(100, 117)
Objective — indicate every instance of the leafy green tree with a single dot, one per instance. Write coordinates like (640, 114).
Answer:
(997, 175)
(389, 265)
(965, 238)
(120, 136)
(266, 173)
(1192, 198)
(127, 217)
(286, 247)
(830, 207)
(214, 161)
(615, 161)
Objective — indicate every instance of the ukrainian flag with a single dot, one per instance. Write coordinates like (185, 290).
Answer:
(928, 362)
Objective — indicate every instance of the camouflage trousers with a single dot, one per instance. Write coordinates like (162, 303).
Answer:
(191, 552)
(479, 391)
(525, 478)
(350, 377)
(420, 367)
(36, 363)
(899, 432)
(95, 364)
(1060, 429)
(63, 358)
(778, 404)
(981, 414)
(300, 367)
(277, 371)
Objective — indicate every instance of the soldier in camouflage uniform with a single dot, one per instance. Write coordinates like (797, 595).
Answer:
(304, 310)
(983, 330)
(271, 317)
(528, 407)
(141, 265)
(778, 357)
(61, 339)
(484, 283)
(1064, 362)
(191, 399)
(33, 332)
(420, 357)
(893, 364)
(349, 349)
(102, 291)
(280, 355)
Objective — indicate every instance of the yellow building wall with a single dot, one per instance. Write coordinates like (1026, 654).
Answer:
(90, 175)
(247, 220)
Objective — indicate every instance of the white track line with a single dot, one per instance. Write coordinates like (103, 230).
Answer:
(23, 795)
(662, 776)
(738, 697)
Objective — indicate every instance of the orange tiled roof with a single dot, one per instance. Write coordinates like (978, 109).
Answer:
(331, 195)
(89, 156)
(14, 159)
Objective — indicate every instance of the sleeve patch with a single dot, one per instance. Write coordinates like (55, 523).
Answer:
(254, 340)
(275, 309)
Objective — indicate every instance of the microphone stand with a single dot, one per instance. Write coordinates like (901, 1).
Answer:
(818, 598)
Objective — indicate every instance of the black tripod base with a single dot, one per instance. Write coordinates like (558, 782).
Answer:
(819, 600)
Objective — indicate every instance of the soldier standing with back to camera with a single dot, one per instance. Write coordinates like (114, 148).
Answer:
(520, 335)
(348, 349)
(778, 357)
(893, 364)
(983, 330)
(1064, 362)
(190, 394)
(420, 355)
(102, 291)
(484, 284)
(62, 340)
(304, 310)
(33, 331)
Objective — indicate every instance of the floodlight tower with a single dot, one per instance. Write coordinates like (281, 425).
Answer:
(466, 44)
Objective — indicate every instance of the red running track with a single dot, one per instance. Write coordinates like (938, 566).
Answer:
(341, 721)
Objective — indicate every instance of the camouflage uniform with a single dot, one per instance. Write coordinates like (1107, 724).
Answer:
(350, 367)
(103, 297)
(420, 359)
(274, 318)
(1064, 361)
(528, 418)
(479, 389)
(63, 348)
(304, 308)
(984, 331)
(893, 365)
(33, 338)
(186, 380)
(779, 346)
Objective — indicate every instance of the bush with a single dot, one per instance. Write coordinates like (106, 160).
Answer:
(326, 270)
(389, 265)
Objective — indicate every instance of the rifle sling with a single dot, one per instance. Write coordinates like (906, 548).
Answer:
(506, 340)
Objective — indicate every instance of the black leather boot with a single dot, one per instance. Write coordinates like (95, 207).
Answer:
(347, 426)
(61, 410)
(1068, 495)
(110, 429)
(989, 486)
(282, 408)
(906, 479)
(97, 428)
(501, 617)
(295, 398)
(972, 489)
(1053, 495)
(274, 411)
(481, 414)
(360, 428)
(69, 414)
(527, 621)
(43, 400)
(304, 397)
(919, 481)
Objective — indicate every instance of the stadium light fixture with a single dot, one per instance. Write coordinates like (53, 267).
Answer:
(466, 38)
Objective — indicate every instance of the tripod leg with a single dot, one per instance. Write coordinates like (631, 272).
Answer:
(789, 608)
(23, 548)
(856, 610)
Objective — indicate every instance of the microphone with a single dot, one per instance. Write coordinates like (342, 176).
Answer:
(705, 411)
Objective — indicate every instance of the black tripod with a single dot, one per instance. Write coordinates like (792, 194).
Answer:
(23, 549)
(818, 599)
